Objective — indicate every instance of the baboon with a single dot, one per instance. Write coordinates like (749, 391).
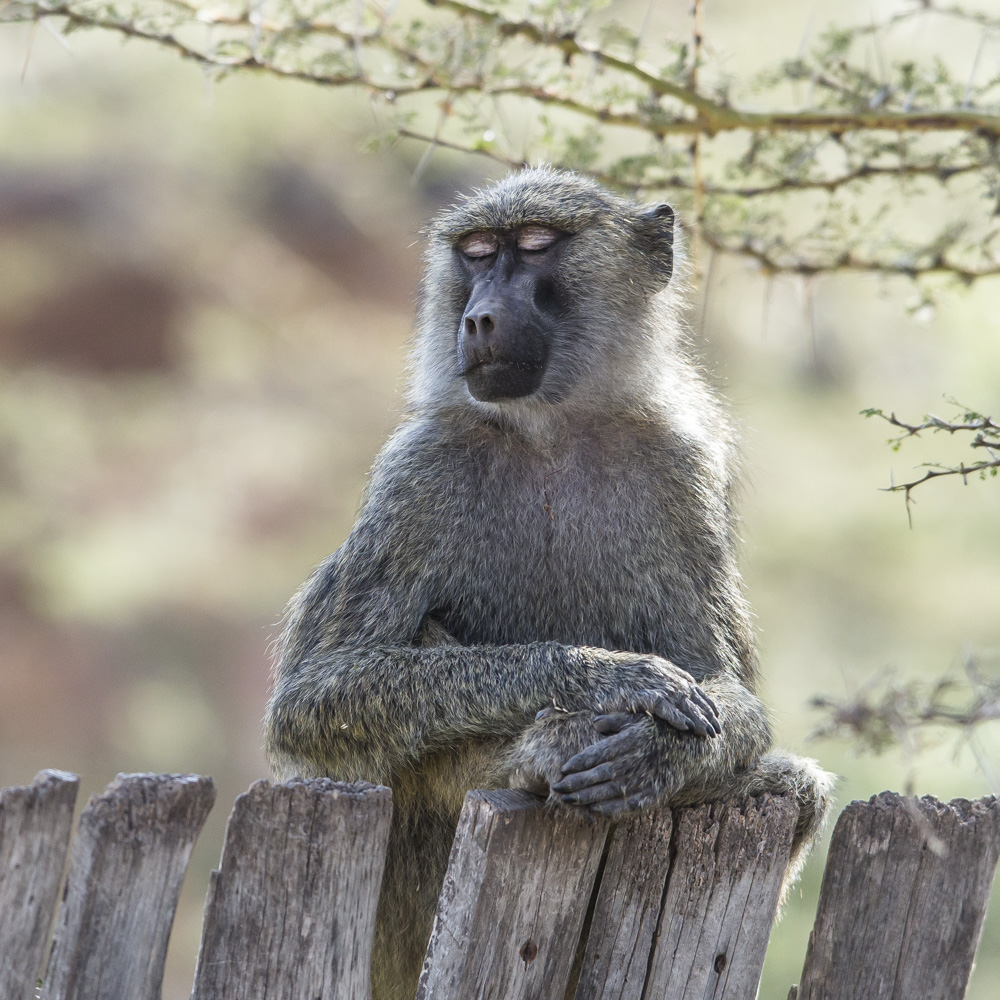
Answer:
(541, 589)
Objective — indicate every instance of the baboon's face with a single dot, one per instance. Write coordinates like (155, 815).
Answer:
(538, 293)
(513, 310)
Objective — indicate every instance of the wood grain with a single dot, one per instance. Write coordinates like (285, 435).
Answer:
(126, 867)
(904, 894)
(35, 825)
(721, 898)
(627, 909)
(291, 910)
(514, 900)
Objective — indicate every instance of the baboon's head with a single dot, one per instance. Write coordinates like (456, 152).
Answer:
(540, 288)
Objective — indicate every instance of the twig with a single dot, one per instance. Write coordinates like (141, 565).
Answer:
(986, 433)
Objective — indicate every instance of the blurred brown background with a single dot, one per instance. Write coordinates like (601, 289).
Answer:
(205, 294)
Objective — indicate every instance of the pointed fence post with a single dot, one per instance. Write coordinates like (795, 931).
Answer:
(291, 911)
(903, 899)
(35, 825)
(126, 867)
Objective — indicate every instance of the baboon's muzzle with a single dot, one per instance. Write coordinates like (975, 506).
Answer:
(503, 344)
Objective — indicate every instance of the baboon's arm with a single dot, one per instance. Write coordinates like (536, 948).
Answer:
(355, 696)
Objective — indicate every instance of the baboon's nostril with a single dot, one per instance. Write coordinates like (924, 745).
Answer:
(482, 324)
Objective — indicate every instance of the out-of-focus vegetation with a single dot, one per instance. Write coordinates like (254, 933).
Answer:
(206, 291)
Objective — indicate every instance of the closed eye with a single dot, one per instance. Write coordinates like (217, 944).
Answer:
(535, 237)
(479, 244)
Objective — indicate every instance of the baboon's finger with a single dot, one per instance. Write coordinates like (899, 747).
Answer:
(596, 793)
(580, 779)
(700, 721)
(598, 753)
(709, 708)
(662, 708)
(614, 722)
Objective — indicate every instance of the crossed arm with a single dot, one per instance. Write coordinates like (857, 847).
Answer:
(355, 697)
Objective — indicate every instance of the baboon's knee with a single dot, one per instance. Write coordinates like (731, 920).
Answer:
(782, 773)
(534, 760)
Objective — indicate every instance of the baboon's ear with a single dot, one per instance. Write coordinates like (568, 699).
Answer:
(657, 228)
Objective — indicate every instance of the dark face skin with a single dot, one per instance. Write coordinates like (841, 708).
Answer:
(512, 311)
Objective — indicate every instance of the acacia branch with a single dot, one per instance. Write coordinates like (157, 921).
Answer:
(166, 40)
(708, 117)
(936, 471)
(888, 712)
(848, 260)
(482, 149)
(570, 46)
(865, 172)
(929, 7)
(713, 116)
(659, 105)
(986, 435)
(788, 186)
(975, 422)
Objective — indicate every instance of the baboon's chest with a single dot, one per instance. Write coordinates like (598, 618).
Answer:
(571, 554)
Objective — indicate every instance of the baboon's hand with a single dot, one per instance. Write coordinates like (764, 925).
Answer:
(629, 769)
(652, 685)
(685, 707)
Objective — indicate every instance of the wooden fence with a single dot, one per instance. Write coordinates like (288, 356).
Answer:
(671, 905)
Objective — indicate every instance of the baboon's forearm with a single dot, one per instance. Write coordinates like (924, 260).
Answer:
(424, 698)
(322, 708)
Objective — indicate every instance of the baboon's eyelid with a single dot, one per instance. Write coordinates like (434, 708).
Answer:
(478, 244)
(536, 237)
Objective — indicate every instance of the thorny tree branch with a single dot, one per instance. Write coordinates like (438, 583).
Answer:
(847, 260)
(712, 117)
(975, 422)
(985, 433)
(709, 118)
(907, 124)
(788, 185)
(944, 10)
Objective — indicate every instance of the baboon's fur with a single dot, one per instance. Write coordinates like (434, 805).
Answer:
(505, 550)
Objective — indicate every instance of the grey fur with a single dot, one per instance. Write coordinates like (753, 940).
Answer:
(507, 553)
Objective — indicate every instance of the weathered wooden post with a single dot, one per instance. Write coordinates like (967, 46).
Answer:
(683, 909)
(126, 867)
(291, 910)
(686, 903)
(904, 894)
(538, 904)
(514, 900)
(35, 825)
